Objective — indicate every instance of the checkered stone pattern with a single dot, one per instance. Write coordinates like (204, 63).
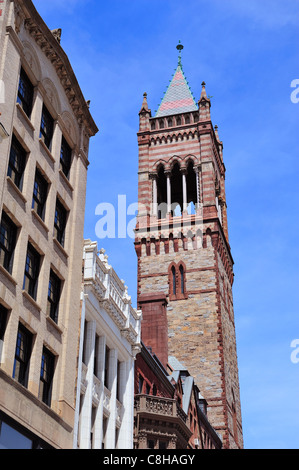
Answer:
(178, 97)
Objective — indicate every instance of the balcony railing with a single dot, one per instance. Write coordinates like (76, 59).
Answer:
(159, 406)
(112, 292)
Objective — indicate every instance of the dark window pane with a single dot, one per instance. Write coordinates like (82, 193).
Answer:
(60, 222)
(25, 93)
(40, 191)
(53, 296)
(8, 236)
(46, 128)
(16, 165)
(182, 279)
(65, 157)
(22, 355)
(10, 438)
(46, 376)
(173, 280)
(32, 266)
(3, 321)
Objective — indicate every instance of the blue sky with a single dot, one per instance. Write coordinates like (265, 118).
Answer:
(248, 55)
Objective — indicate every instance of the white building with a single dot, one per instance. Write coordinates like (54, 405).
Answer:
(109, 342)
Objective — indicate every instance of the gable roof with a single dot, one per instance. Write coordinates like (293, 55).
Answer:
(178, 97)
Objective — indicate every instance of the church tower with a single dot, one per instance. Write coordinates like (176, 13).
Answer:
(185, 266)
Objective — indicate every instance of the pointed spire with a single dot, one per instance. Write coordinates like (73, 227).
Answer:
(144, 106)
(144, 114)
(203, 95)
(204, 104)
(178, 97)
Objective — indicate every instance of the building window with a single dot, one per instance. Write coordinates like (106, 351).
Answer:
(15, 437)
(140, 385)
(46, 376)
(65, 157)
(25, 93)
(182, 281)
(31, 271)
(3, 321)
(177, 281)
(8, 237)
(54, 291)
(40, 192)
(162, 445)
(46, 128)
(150, 444)
(17, 161)
(22, 355)
(173, 275)
(60, 222)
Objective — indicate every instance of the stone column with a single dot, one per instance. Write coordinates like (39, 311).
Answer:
(85, 427)
(155, 197)
(112, 386)
(100, 373)
(125, 439)
(197, 187)
(168, 193)
(184, 184)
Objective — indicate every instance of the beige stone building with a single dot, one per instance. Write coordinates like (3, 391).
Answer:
(45, 130)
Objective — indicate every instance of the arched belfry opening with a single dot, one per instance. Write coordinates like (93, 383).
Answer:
(191, 183)
(161, 193)
(176, 190)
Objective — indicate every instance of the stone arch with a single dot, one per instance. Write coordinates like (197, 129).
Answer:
(70, 127)
(52, 94)
(32, 60)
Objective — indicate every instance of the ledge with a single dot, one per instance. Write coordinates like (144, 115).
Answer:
(40, 220)
(16, 189)
(54, 324)
(31, 300)
(8, 275)
(65, 179)
(24, 115)
(56, 242)
(47, 150)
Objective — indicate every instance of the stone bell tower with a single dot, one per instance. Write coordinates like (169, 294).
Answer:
(185, 266)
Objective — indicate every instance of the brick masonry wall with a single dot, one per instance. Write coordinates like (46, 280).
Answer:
(201, 331)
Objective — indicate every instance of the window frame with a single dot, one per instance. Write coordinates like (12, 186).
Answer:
(17, 162)
(53, 301)
(177, 281)
(46, 127)
(31, 289)
(12, 231)
(3, 321)
(39, 202)
(65, 160)
(24, 344)
(25, 93)
(59, 231)
(46, 376)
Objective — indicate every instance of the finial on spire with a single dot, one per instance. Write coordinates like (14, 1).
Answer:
(180, 47)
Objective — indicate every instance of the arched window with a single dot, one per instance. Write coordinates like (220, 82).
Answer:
(182, 280)
(177, 281)
(173, 280)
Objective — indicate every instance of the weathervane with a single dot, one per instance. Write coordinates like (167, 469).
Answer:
(180, 47)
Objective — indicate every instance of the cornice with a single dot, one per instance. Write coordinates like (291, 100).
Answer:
(50, 46)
